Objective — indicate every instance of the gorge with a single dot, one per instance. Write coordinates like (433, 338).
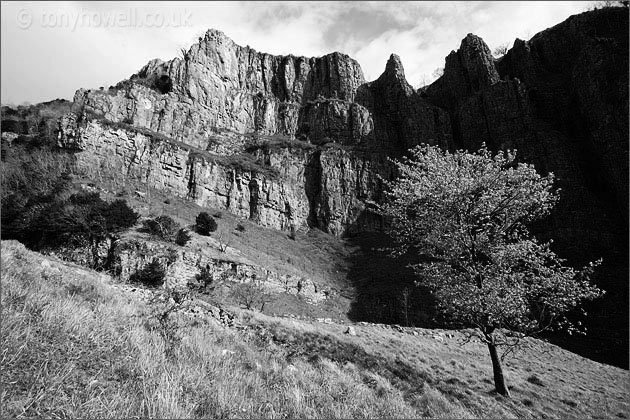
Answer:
(295, 142)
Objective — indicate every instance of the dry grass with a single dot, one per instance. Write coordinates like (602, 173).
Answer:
(449, 378)
(74, 347)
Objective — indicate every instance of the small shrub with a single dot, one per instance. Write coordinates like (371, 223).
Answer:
(501, 50)
(163, 84)
(162, 226)
(86, 198)
(119, 216)
(223, 244)
(205, 224)
(151, 275)
(165, 305)
(182, 237)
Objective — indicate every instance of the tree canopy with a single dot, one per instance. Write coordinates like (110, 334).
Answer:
(465, 217)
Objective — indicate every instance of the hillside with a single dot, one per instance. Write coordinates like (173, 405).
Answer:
(77, 344)
(292, 306)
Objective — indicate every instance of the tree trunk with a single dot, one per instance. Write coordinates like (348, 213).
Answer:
(499, 379)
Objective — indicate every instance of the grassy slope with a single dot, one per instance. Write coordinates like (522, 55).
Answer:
(73, 346)
(316, 255)
(361, 274)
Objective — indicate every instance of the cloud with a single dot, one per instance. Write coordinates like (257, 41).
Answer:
(44, 62)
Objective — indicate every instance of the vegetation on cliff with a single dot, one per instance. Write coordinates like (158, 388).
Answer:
(42, 208)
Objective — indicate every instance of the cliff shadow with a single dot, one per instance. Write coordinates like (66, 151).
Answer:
(384, 286)
(379, 281)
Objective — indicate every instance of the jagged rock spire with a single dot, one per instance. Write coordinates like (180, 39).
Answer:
(477, 61)
(394, 68)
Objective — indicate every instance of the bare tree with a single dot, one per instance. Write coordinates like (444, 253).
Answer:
(251, 294)
(164, 307)
(423, 82)
(404, 302)
(223, 244)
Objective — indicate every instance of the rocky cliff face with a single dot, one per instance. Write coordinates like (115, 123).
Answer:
(561, 99)
(284, 141)
(280, 187)
(218, 84)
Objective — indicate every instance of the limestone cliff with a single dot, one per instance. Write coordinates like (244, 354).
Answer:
(218, 84)
(284, 141)
(280, 187)
(561, 99)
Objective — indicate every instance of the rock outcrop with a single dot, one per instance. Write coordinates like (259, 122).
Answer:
(218, 84)
(559, 98)
(126, 255)
(183, 265)
(403, 119)
(284, 141)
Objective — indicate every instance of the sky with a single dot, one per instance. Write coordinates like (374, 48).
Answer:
(51, 49)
